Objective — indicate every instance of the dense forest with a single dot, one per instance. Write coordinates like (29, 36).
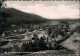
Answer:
(14, 16)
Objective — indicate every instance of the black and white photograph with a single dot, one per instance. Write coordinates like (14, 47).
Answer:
(39, 28)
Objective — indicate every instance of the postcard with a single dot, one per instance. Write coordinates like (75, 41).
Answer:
(39, 28)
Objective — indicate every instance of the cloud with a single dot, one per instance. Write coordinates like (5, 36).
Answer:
(53, 12)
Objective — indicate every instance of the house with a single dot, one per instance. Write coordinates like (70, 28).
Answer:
(3, 34)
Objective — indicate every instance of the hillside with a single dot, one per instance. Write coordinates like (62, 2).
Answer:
(14, 16)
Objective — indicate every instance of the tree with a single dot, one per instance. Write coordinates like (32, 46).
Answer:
(15, 48)
(35, 44)
(49, 31)
(4, 21)
(42, 43)
(25, 47)
(35, 38)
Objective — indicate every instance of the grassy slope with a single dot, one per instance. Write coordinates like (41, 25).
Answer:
(70, 42)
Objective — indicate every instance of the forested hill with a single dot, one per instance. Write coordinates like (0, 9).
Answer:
(14, 16)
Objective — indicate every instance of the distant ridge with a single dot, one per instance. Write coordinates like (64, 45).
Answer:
(67, 20)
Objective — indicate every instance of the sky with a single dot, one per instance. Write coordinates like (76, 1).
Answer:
(48, 9)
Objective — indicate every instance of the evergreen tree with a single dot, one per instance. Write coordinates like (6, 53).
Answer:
(24, 47)
(49, 31)
(35, 44)
(15, 48)
(42, 43)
